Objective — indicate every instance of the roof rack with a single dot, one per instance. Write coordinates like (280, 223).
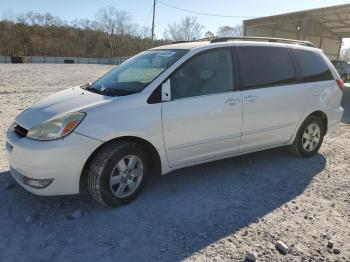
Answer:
(196, 40)
(267, 39)
(179, 42)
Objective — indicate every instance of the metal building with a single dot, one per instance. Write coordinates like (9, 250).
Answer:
(324, 27)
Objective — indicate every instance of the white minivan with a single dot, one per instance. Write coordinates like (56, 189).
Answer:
(175, 106)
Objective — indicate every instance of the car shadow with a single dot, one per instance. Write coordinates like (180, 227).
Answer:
(176, 216)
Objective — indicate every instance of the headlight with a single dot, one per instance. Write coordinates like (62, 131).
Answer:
(56, 127)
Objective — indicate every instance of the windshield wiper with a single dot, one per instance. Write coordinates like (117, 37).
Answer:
(89, 87)
(84, 86)
(118, 92)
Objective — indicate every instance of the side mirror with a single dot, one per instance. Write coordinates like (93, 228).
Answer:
(166, 91)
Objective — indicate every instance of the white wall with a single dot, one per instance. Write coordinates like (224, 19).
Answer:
(5, 59)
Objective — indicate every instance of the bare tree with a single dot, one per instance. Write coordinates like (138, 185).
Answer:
(85, 24)
(22, 19)
(46, 19)
(227, 31)
(209, 34)
(116, 24)
(187, 29)
(29, 18)
(7, 37)
(144, 32)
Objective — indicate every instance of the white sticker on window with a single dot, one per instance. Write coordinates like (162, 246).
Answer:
(166, 54)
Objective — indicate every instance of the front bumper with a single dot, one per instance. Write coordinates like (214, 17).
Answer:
(58, 161)
(30, 182)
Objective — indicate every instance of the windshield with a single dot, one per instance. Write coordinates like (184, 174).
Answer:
(136, 73)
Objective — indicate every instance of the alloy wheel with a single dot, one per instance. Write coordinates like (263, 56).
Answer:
(311, 137)
(126, 176)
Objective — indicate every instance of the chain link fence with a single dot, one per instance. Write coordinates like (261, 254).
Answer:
(61, 60)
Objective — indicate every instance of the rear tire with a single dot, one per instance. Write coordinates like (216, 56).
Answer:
(118, 173)
(309, 137)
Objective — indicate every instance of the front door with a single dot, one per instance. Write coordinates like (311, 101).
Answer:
(203, 119)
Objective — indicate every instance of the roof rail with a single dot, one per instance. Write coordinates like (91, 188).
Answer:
(196, 40)
(267, 39)
(179, 42)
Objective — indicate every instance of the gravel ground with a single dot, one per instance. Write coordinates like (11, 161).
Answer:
(212, 212)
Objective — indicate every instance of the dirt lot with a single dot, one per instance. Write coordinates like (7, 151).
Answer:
(212, 212)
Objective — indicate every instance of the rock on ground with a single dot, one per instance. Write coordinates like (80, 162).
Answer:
(250, 256)
(282, 247)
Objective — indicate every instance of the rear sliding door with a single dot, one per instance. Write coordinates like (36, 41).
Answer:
(273, 99)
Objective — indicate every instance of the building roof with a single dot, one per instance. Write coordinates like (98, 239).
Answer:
(333, 19)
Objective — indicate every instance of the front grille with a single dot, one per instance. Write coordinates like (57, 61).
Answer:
(21, 131)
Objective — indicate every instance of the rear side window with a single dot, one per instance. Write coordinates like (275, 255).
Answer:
(265, 67)
(313, 67)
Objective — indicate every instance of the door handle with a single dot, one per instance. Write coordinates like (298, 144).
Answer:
(232, 101)
(251, 98)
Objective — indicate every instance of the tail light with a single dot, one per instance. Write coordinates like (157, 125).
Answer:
(340, 84)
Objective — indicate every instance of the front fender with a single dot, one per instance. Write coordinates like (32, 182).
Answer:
(129, 116)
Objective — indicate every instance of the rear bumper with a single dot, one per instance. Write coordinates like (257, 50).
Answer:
(49, 167)
(334, 118)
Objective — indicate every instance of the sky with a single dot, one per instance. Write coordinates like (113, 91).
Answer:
(141, 10)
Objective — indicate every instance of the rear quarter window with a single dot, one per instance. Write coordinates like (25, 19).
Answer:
(312, 66)
(265, 67)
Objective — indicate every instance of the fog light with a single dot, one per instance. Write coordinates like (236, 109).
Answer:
(37, 183)
(31, 182)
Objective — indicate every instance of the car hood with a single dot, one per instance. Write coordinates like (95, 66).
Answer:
(69, 100)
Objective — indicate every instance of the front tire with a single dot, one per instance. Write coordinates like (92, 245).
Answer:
(309, 137)
(118, 173)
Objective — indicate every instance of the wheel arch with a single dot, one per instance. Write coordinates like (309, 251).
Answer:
(148, 146)
(317, 113)
(323, 116)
